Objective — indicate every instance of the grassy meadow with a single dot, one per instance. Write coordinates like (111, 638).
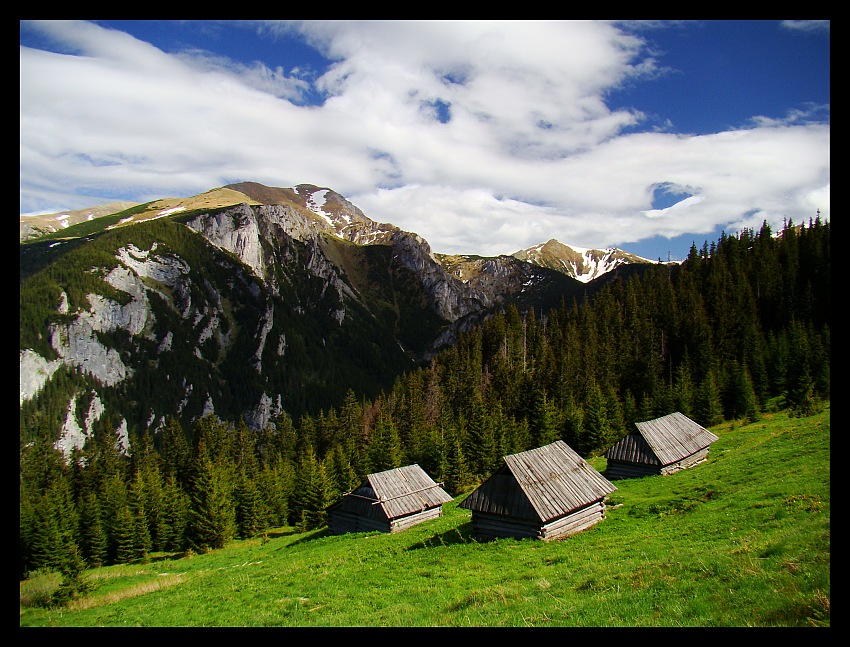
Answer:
(741, 540)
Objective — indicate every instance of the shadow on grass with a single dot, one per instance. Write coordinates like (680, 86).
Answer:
(280, 533)
(308, 536)
(462, 534)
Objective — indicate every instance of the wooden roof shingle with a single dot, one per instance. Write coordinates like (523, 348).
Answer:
(666, 440)
(541, 484)
(398, 492)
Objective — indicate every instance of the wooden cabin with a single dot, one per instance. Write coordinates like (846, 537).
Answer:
(388, 501)
(545, 493)
(662, 446)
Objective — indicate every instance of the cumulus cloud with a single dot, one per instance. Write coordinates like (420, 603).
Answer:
(484, 137)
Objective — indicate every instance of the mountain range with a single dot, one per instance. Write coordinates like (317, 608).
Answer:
(249, 301)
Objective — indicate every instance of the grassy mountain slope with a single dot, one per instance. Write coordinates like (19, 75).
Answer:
(741, 540)
(39, 225)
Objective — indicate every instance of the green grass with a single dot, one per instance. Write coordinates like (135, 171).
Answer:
(741, 540)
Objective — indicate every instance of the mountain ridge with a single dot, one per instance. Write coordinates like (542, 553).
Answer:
(345, 220)
(248, 301)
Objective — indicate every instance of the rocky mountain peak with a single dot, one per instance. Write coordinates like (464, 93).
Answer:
(286, 297)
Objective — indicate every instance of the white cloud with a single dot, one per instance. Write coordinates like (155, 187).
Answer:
(806, 25)
(530, 152)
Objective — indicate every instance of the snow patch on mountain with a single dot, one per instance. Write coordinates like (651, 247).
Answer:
(581, 263)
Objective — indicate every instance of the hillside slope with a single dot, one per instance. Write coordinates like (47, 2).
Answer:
(742, 540)
(247, 301)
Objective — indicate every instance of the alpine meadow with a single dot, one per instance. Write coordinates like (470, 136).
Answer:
(203, 379)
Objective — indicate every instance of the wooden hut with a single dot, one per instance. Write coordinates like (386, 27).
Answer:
(545, 493)
(662, 446)
(388, 501)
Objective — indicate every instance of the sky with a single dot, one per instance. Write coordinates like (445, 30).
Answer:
(483, 137)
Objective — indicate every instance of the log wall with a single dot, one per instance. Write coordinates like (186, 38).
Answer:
(341, 522)
(488, 526)
(624, 470)
(685, 463)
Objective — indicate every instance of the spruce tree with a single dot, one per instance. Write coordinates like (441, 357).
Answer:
(708, 408)
(454, 471)
(683, 391)
(310, 494)
(384, 450)
(341, 475)
(596, 422)
(73, 582)
(113, 498)
(544, 420)
(125, 536)
(251, 513)
(176, 452)
(212, 515)
(741, 401)
(277, 483)
(93, 540)
(142, 543)
(480, 445)
(175, 519)
(573, 432)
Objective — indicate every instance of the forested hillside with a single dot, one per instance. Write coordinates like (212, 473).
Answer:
(743, 324)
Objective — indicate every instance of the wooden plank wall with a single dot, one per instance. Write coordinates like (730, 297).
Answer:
(624, 470)
(341, 522)
(487, 526)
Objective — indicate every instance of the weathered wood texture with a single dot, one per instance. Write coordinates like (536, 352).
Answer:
(546, 493)
(488, 526)
(341, 522)
(388, 501)
(661, 446)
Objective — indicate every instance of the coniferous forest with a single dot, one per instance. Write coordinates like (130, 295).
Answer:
(740, 326)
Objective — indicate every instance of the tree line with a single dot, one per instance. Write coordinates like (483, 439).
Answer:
(740, 326)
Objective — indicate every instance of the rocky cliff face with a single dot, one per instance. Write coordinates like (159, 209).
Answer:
(277, 303)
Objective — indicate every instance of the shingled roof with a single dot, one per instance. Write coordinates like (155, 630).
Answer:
(397, 492)
(542, 484)
(662, 441)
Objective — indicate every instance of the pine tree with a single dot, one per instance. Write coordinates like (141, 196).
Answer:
(573, 432)
(73, 582)
(125, 536)
(42, 469)
(596, 422)
(341, 475)
(277, 483)
(630, 411)
(251, 512)
(384, 450)
(683, 391)
(142, 543)
(544, 420)
(113, 498)
(310, 495)
(800, 396)
(708, 407)
(149, 485)
(454, 471)
(175, 517)
(176, 452)
(93, 540)
(741, 401)
(50, 534)
(480, 445)
(212, 515)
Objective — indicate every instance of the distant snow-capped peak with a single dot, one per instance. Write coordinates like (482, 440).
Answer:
(581, 263)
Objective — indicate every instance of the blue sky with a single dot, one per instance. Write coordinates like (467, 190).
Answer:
(483, 137)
